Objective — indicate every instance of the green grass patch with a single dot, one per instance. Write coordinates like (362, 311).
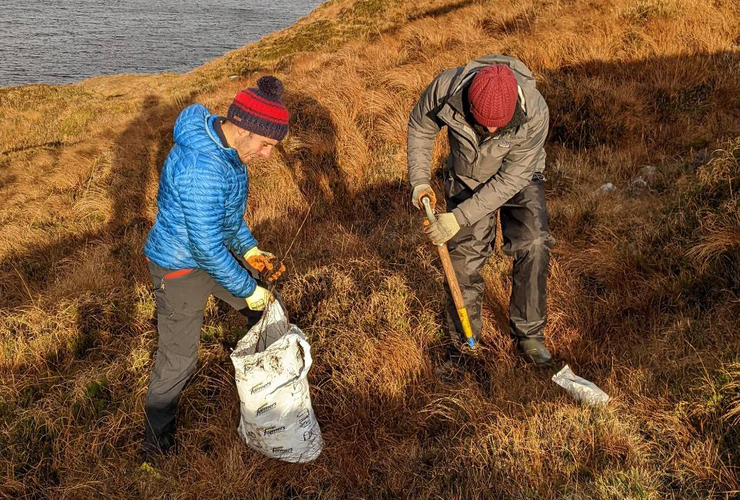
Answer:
(360, 21)
(30, 441)
(96, 402)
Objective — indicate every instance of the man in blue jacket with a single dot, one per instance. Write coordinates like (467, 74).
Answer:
(198, 234)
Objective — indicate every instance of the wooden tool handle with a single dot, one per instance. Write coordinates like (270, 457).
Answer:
(457, 298)
(444, 256)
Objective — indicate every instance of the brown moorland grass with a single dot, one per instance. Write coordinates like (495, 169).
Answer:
(644, 281)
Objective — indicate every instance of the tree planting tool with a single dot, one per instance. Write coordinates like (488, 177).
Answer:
(457, 298)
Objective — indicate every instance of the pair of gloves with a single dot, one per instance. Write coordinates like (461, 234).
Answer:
(270, 269)
(446, 225)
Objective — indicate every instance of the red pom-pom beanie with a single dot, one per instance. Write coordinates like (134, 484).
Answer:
(260, 110)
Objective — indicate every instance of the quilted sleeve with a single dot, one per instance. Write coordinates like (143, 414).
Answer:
(424, 126)
(243, 240)
(201, 189)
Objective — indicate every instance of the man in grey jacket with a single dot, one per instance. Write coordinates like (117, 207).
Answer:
(497, 123)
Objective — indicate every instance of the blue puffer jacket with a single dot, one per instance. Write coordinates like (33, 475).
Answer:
(201, 200)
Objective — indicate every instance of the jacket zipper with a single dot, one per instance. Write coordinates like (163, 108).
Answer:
(463, 133)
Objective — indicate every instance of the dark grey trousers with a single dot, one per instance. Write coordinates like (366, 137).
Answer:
(526, 238)
(180, 298)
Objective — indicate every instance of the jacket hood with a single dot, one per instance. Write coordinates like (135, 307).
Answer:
(521, 71)
(524, 77)
(194, 129)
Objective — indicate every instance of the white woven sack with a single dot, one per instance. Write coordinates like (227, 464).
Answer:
(271, 364)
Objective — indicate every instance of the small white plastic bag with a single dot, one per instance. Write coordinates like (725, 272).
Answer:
(583, 390)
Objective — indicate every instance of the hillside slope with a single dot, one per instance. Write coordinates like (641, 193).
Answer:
(644, 282)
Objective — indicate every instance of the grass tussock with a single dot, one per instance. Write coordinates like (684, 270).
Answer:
(643, 284)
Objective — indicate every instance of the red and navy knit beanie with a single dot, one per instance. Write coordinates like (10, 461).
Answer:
(260, 110)
(493, 95)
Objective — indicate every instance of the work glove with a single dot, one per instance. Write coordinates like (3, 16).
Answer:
(421, 191)
(444, 228)
(259, 299)
(267, 264)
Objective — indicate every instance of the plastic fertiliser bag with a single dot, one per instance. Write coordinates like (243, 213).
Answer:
(580, 388)
(271, 364)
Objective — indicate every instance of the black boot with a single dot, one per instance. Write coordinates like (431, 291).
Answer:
(151, 449)
(157, 444)
(534, 351)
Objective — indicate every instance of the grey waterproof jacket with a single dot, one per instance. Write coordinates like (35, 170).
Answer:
(495, 169)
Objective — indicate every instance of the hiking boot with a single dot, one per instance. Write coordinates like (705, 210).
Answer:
(165, 445)
(534, 351)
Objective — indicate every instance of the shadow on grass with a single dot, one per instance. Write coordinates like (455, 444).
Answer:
(139, 153)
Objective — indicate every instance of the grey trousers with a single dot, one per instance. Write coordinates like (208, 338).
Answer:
(180, 298)
(526, 238)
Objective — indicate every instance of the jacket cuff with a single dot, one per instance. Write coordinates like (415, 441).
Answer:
(249, 288)
(462, 220)
(240, 247)
(417, 180)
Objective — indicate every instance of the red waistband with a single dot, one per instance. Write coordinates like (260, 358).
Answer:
(174, 274)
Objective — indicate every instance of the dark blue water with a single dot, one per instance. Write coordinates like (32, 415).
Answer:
(64, 41)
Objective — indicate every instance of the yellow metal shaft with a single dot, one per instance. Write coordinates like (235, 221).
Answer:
(467, 329)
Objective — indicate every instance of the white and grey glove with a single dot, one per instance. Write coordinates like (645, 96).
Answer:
(444, 228)
(421, 191)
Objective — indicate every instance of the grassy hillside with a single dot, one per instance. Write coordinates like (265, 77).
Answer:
(644, 281)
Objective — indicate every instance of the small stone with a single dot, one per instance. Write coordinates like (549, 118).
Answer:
(606, 189)
(638, 186)
(648, 171)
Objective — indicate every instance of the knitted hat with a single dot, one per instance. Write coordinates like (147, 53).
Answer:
(260, 110)
(493, 95)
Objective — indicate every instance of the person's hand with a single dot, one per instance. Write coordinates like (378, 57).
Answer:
(259, 299)
(259, 259)
(444, 228)
(267, 264)
(421, 191)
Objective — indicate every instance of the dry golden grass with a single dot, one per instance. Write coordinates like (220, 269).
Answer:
(644, 281)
